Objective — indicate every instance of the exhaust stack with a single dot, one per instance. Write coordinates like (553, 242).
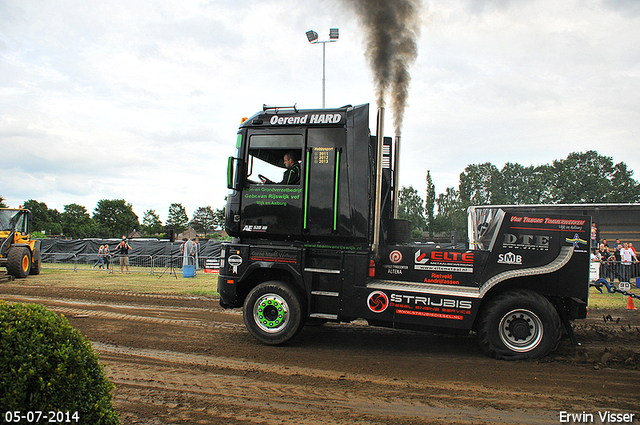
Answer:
(396, 176)
(377, 220)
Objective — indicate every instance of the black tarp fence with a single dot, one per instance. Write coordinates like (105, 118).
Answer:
(64, 248)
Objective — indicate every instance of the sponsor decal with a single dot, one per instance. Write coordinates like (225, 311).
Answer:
(444, 261)
(547, 220)
(234, 261)
(441, 308)
(277, 196)
(421, 257)
(274, 256)
(254, 228)
(528, 242)
(510, 258)
(395, 257)
(576, 241)
(377, 301)
(553, 224)
(430, 314)
(442, 279)
(306, 119)
(395, 268)
(417, 300)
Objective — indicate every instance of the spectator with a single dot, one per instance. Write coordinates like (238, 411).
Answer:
(107, 256)
(618, 261)
(603, 253)
(124, 248)
(100, 258)
(594, 237)
(188, 249)
(628, 257)
(611, 265)
(196, 247)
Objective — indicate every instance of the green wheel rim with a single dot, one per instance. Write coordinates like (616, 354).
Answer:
(271, 313)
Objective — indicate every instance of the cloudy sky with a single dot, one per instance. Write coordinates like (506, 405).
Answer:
(141, 100)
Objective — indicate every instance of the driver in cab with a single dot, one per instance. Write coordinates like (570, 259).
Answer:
(291, 175)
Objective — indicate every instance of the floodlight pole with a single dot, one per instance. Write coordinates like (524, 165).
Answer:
(313, 39)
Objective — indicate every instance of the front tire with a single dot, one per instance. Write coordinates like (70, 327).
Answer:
(519, 325)
(18, 262)
(273, 312)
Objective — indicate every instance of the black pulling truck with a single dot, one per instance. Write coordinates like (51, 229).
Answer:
(328, 247)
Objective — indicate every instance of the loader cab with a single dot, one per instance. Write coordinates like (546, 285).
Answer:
(321, 203)
(14, 220)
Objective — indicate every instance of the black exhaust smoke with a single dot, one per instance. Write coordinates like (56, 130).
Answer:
(392, 29)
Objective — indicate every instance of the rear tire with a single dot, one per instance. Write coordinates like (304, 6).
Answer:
(519, 325)
(36, 262)
(18, 262)
(273, 312)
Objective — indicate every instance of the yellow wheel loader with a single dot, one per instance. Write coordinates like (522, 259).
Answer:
(18, 252)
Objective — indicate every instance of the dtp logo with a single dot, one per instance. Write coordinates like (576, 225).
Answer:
(378, 301)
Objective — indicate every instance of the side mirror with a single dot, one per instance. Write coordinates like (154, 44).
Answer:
(234, 173)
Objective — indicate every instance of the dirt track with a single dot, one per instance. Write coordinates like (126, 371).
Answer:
(183, 359)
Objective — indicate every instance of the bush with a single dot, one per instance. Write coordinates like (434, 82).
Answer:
(46, 365)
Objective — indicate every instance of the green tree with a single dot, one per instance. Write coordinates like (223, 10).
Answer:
(203, 220)
(587, 177)
(219, 218)
(526, 185)
(411, 207)
(115, 218)
(44, 219)
(151, 223)
(430, 203)
(177, 218)
(480, 184)
(2, 203)
(452, 214)
(76, 221)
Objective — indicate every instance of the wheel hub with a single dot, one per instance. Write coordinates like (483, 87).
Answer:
(271, 312)
(521, 330)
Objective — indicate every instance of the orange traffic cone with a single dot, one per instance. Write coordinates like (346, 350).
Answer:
(630, 305)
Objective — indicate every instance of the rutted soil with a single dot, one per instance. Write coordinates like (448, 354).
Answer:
(183, 359)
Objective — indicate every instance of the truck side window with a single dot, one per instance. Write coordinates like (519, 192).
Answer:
(266, 160)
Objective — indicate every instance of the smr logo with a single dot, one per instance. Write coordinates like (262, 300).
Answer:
(378, 301)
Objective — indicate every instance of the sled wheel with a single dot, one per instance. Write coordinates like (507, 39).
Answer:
(519, 325)
(273, 312)
(19, 262)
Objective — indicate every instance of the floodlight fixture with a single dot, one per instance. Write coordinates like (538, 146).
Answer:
(312, 36)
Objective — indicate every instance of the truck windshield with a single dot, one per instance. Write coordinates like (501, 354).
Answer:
(266, 155)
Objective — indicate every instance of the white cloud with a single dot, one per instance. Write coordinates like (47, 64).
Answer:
(142, 100)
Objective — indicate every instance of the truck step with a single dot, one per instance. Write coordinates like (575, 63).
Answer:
(324, 316)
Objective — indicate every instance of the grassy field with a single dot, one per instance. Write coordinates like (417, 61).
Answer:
(201, 284)
(612, 301)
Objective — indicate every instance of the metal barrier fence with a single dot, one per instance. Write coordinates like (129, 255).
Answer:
(150, 264)
(616, 270)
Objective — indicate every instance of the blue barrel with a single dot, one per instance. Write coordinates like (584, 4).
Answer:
(188, 271)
